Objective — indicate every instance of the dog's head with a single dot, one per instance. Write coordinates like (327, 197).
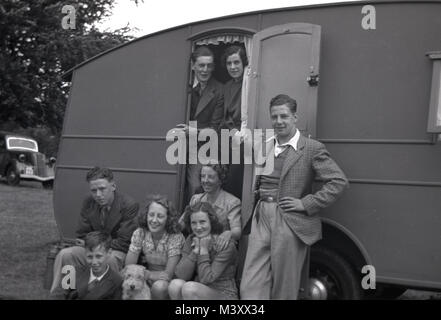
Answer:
(134, 277)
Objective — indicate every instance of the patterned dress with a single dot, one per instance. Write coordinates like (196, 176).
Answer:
(155, 257)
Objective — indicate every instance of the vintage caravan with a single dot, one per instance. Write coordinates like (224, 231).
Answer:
(366, 76)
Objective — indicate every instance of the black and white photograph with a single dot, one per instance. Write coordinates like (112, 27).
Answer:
(248, 151)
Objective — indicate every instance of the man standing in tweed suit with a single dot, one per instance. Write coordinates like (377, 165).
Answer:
(285, 220)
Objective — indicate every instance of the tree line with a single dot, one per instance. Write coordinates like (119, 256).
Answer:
(35, 53)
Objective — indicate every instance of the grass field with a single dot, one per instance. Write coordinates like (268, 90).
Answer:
(28, 229)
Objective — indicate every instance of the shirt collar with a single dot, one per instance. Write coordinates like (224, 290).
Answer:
(93, 277)
(279, 148)
(196, 83)
(163, 239)
(109, 206)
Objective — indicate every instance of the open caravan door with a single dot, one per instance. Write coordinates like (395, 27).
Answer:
(284, 60)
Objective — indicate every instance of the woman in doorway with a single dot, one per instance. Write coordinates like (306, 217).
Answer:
(211, 270)
(160, 240)
(235, 60)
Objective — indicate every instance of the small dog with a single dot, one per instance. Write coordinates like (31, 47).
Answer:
(134, 285)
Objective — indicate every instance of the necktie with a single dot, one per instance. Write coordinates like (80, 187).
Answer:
(198, 90)
(195, 97)
(103, 212)
(92, 285)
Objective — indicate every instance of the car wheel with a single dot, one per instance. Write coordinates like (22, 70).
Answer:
(332, 277)
(48, 184)
(12, 177)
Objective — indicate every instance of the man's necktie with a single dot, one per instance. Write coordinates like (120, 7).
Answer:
(199, 89)
(103, 212)
(92, 285)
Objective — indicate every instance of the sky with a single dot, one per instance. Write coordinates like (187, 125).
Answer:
(155, 15)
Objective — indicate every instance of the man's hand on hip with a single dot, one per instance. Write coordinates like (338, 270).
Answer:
(290, 204)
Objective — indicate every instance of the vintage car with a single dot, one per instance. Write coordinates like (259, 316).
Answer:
(20, 160)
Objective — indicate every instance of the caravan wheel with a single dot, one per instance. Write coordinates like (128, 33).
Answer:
(332, 277)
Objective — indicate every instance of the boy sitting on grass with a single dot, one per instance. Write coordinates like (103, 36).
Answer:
(96, 281)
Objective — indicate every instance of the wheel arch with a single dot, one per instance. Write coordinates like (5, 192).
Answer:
(341, 240)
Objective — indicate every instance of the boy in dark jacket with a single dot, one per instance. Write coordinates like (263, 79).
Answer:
(96, 281)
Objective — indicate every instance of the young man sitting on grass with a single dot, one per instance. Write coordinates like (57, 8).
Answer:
(106, 210)
(96, 280)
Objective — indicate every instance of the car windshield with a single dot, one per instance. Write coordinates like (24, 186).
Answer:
(21, 143)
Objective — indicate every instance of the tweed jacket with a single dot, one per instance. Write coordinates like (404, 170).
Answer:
(310, 162)
(120, 223)
(210, 109)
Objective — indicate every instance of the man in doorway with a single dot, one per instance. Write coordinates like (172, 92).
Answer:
(106, 210)
(285, 220)
(206, 109)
